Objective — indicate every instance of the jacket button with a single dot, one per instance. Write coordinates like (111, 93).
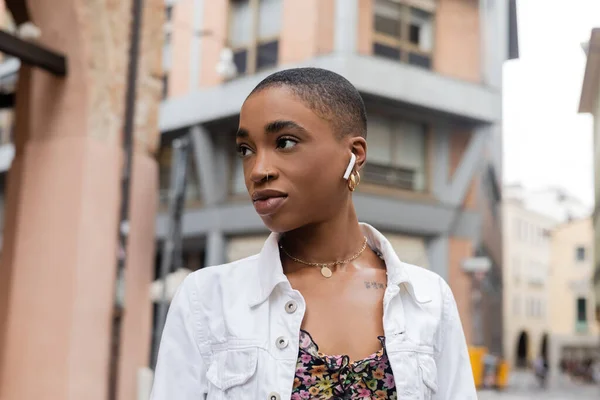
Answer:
(282, 342)
(274, 396)
(291, 307)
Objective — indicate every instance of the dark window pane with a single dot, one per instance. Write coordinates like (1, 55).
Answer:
(240, 59)
(419, 14)
(267, 56)
(415, 34)
(169, 13)
(387, 26)
(580, 254)
(386, 51)
(165, 86)
(581, 310)
(419, 60)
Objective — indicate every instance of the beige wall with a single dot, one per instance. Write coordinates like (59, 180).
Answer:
(571, 279)
(181, 42)
(307, 30)
(457, 47)
(526, 256)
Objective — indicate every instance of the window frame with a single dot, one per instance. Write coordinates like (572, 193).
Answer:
(402, 43)
(394, 123)
(255, 41)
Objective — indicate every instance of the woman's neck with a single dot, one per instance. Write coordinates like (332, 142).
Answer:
(334, 240)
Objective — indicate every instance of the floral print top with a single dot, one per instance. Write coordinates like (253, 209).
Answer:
(324, 377)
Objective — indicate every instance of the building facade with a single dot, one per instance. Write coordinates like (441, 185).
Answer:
(430, 74)
(590, 104)
(526, 242)
(545, 236)
(573, 331)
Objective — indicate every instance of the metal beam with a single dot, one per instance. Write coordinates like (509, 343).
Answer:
(441, 161)
(203, 151)
(33, 54)
(469, 163)
(389, 214)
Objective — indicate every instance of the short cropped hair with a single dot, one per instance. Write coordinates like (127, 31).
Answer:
(330, 95)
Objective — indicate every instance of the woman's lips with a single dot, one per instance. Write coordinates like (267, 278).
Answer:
(268, 206)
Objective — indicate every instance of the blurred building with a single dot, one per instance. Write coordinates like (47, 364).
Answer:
(430, 73)
(572, 327)
(526, 242)
(542, 229)
(590, 103)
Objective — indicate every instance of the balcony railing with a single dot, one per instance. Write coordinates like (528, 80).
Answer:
(389, 175)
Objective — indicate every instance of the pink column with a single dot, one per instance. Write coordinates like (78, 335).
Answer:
(57, 267)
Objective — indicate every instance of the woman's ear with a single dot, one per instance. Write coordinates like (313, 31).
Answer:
(358, 146)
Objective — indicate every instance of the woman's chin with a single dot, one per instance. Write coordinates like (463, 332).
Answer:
(279, 223)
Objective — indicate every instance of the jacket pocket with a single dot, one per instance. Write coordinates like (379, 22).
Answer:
(231, 374)
(428, 372)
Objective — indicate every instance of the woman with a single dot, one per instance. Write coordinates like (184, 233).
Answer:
(326, 310)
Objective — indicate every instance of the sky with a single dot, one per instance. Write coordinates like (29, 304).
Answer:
(546, 142)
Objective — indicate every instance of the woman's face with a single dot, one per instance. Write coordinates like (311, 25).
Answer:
(304, 159)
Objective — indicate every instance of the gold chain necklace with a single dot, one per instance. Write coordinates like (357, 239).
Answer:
(325, 267)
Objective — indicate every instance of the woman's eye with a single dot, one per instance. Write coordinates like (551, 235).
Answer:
(244, 150)
(286, 143)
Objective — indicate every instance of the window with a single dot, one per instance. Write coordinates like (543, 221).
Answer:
(165, 166)
(254, 29)
(581, 310)
(404, 32)
(516, 306)
(397, 153)
(580, 253)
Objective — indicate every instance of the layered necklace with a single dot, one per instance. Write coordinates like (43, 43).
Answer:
(326, 268)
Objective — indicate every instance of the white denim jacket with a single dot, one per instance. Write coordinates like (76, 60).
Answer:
(232, 332)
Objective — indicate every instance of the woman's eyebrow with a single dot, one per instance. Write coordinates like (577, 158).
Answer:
(242, 133)
(278, 126)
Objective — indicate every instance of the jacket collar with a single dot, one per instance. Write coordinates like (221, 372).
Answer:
(268, 272)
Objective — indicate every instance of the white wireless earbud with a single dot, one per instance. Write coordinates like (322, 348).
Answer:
(350, 166)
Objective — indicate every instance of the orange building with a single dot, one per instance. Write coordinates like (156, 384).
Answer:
(430, 74)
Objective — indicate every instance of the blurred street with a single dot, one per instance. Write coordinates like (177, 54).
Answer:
(524, 386)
